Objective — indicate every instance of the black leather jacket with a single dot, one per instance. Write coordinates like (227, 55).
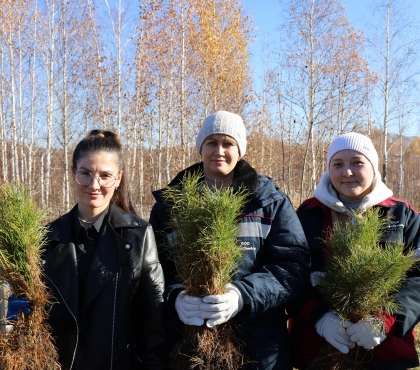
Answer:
(121, 325)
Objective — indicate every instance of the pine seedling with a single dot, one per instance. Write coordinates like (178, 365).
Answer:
(29, 344)
(206, 253)
(362, 274)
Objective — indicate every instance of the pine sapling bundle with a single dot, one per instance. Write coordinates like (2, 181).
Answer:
(361, 278)
(206, 253)
(28, 345)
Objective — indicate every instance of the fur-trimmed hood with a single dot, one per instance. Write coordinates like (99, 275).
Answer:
(244, 175)
(327, 195)
(261, 188)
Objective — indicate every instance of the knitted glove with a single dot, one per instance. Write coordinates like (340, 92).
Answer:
(218, 309)
(363, 334)
(332, 328)
(188, 308)
(16, 305)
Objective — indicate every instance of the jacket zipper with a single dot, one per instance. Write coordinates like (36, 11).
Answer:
(77, 326)
(113, 320)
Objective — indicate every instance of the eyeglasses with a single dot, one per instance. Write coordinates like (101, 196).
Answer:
(84, 178)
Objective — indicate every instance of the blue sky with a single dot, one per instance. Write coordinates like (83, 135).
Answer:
(266, 18)
(266, 14)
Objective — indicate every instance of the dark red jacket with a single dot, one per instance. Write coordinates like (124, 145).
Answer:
(398, 350)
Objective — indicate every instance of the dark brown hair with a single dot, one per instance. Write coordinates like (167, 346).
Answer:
(106, 141)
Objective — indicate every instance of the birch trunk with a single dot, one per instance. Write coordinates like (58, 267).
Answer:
(4, 161)
(23, 172)
(66, 190)
(13, 129)
(50, 105)
(32, 139)
(386, 95)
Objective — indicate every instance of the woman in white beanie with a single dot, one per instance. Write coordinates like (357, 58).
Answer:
(353, 183)
(275, 264)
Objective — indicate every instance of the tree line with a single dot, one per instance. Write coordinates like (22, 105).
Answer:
(153, 70)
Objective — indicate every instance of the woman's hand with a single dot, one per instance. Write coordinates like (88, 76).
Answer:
(364, 335)
(188, 308)
(218, 309)
(333, 329)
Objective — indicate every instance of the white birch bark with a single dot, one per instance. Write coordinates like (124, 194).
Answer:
(66, 190)
(4, 159)
(50, 104)
(13, 129)
(32, 128)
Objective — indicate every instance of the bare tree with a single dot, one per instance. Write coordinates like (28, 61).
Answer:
(13, 123)
(31, 146)
(394, 42)
(323, 57)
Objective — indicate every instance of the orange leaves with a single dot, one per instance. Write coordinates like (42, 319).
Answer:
(222, 50)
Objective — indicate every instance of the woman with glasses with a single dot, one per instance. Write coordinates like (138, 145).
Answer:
(102, 268)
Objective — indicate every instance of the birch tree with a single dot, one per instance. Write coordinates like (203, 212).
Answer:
(394, 42)
(50, 61)
(13, 9)
(2, 106)
(323, 56)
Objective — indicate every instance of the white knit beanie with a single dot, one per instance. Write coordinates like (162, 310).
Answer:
(225, 123)
(354, 141)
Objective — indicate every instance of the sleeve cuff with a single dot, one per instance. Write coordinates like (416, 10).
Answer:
(313, 311)
(389, 322)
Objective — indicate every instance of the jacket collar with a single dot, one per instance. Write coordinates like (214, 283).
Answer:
(261, 188)
(117, 217)
(244, 175)
(327, 195)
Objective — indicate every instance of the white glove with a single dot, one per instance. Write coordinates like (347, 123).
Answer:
(362, 333)
(218, 309)
(332, 328)
(188, 308)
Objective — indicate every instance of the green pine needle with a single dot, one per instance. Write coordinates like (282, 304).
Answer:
(21, 237)
(206, 251)
(362, 274)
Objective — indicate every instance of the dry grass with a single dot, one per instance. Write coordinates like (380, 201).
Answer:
(417, 332)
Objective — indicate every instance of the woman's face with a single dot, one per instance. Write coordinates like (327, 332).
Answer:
(94, 198)
(351, 174)
(219, 154)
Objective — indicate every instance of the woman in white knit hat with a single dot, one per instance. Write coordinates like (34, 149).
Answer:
(275, 264)
(353, 183)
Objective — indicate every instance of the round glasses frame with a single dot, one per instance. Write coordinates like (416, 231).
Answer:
(85, 178)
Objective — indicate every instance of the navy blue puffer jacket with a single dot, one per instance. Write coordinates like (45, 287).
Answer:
(273, 271)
